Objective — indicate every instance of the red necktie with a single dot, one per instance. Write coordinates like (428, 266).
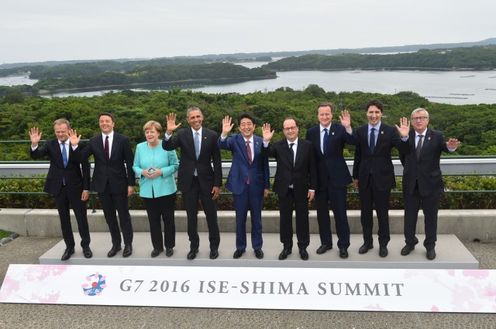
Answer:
(248, 152)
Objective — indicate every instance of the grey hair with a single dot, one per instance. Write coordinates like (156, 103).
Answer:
(420, 109)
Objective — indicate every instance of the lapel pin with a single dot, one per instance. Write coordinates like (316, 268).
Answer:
(332, 133)
(382, 132)
(429, 138)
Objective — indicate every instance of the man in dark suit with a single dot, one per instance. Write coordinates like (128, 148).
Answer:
(373, 172)
(328, 141)
(295, 182)
(113, 179)
(197, 180)
(248, 180)
(422, 180)
(68, 181)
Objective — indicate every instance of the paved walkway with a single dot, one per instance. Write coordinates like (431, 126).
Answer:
(28, 250)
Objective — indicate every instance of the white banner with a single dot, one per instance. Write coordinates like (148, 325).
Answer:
(254, 288)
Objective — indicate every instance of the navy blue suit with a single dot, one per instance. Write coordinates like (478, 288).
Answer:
(333, 177)
(423, 185)
(247, 182)
(375, 173)
(66, 185)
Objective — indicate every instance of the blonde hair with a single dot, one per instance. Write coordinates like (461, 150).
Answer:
(152, 124)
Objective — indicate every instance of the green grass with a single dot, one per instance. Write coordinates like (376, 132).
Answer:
(4, 234)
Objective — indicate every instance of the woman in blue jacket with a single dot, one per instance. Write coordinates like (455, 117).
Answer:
(155, 168)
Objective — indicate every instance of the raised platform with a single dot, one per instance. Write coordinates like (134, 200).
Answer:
(451, 254)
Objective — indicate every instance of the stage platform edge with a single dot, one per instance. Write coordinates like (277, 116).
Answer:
(451, 254)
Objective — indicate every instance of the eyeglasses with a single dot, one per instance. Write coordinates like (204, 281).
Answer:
(419, 118)
(290, 128)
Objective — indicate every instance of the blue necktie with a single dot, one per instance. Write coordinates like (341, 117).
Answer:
(197, 144)
(326, 140)
(372, 140)
(64, 155)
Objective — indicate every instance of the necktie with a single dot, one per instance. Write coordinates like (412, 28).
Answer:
(291, 151)
(326, 140)
(372, 140)
(64, 155)
(248, 152)
(419, 146)
(197, 144)
(106, 148)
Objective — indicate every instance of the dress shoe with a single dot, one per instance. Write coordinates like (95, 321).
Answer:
(112, 252)
(155, 253)
(87, 253)
(284, 254)
(303, 254)
(67, 254)
(383, 251)
(431, 254)
(169, 252)
(365, 248)
(128, 250)
(259, 254)
(192, 254)
(343, 252)
(407, 249)
(323, 248)
(238, 253)
(214, 253)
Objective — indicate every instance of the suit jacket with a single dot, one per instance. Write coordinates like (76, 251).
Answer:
(377, 163)
(331, 167)
(241, 170)
(303, 175)
(117, 171)
(209, 152)
(76, 175)
(426, 171)
(156, 157)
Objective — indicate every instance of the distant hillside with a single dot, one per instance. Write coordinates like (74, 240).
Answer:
(266, 56)
(471, 58)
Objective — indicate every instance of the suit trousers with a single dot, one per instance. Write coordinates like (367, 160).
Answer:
(73, 199)
(430, 206)
(251, 199)
(288, 203)
(191, 198)
(158, 210)
(335, 198)
(370, 198)
(110, 204)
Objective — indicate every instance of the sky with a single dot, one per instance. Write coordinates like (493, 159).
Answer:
(34, 30)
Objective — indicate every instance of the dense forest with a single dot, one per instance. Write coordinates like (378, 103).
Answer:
(472, 58)
(113, 74)
(474, 125)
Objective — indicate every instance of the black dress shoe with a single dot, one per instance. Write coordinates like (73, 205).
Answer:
(169, 252)
(365, 248)
(383, 251)
(407, 249)
(112, 252)
(67, 254)
(238, 253)
(155, 253)
(323, 248)
(284, 254)
(214, 253)
(303, 254)
(343, 252)
(192, 254)
(431, 254)
(259, 254)
(87, 253)
(128, 250)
